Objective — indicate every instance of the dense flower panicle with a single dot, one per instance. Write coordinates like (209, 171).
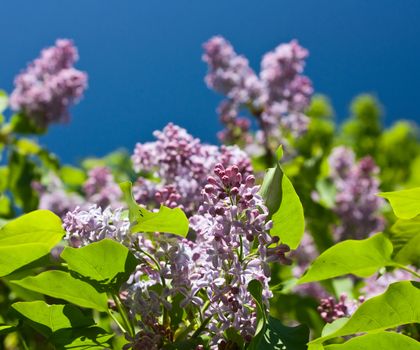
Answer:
(229, 73)
(331, 309)
(277, 98)
(50, 85)
(94, 224)
(101, 189)
(230, 219)
(181, 163)
(357, 204)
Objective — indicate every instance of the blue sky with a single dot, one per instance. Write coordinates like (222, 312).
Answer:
(145, 68)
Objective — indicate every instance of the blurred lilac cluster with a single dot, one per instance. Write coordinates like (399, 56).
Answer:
(356, 202)
(177, 165)
(277, 98)
(99, 189)
(49, 85)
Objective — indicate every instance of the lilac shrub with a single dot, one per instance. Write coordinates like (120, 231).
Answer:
(211, 273)
(50, 85)
(356, 202)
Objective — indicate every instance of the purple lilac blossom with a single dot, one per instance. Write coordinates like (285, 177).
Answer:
(50, 85)
(277, 98)
(101, 189)
(54, 197)
(356, 202)
(331, 309)
(181, 164)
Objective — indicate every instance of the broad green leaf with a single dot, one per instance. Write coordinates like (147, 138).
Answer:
(21, 124)
(92, 338)
(277, 336)
(27, 146)
(27, 239)
(330, 328)
(3, 101)
(399, 305)
(358, 257)
(405, 203)
(378, 341)
(72, 176)
(105, 262)
(48, 319)
(284, 206)
(62, 285)
(165, 220)
(405, 237)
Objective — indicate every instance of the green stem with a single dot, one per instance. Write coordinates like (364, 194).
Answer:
(123, 312)
(22, 341)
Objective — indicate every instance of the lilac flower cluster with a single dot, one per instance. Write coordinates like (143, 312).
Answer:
(181, 163)
(87, 226)
(99, 189)
(331, 309)
(54, 197)
(231, 219)
(356, 202)
(277, 97)
(49, 85)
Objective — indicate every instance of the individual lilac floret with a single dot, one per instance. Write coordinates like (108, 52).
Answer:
(356, 201)
(181, 163)
(101, 189)
(94, 224)
(50, 85)
(331, 309)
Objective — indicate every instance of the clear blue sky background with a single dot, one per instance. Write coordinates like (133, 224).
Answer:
(145, 68)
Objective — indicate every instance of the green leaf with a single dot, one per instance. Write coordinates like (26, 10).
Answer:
(22, 172)
(4, 329)
(27, 239)
(405, 203)
(72, 176)
(62, 285)
(399, 305)
(21, 124)
(382, 341)
(276, 336)
(27, 146)
(48, 319)
(405, 237)
(3, 101)
(165, 220)
(358, 257)
(284, 206)
(94, 262)
(92, 338)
